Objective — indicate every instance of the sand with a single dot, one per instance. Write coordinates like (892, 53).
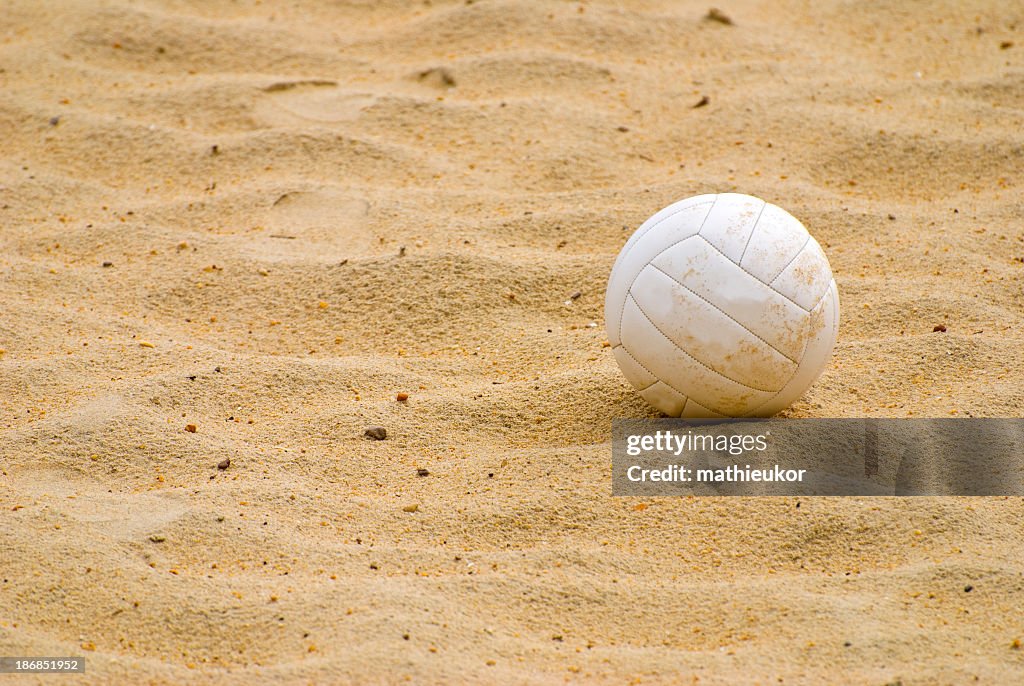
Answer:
(266, 220)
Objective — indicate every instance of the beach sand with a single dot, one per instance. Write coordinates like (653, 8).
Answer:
(238, 230)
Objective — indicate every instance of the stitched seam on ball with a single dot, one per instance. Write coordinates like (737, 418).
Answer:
(752, 230)
(818, 301)
(802, 352)
(703, 364)
(774, 290)
(798, 253)
(778, 392)
(639, 271)
(642, 366)
(656, 380)
(730, 317)
(681, 209)
(683, 411)
(686, 398)
(697, 403)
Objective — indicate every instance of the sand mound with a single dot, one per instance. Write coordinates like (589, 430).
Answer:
(264, 221)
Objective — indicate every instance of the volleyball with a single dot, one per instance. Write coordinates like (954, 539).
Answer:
(722, 306)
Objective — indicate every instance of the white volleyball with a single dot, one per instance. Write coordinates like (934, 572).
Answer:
(722, 306)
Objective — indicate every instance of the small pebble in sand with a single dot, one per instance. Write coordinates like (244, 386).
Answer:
(54, 121)
(377, 433)
(157, 538)
(717, 15)
(422, 472)
(191, 428)
(108, 264)
(411, 508)
(968, 588)
(939, 328)
(146, 344)
(224, 464)
(438, 77)
(401, 251)
(402, 397)
(704, 100)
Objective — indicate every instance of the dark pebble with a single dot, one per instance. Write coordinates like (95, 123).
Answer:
(422, 472)
(715, 14)
(705, 100)
(54, 121)
(939, 328)
(968, 588)
(438, 77)
(224, 464)
(108, 264)
(377, 433)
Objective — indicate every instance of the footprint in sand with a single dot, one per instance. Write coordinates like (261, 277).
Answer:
(312, 226)
(288, 103)
(120, 515)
